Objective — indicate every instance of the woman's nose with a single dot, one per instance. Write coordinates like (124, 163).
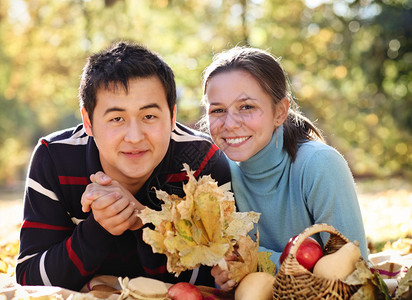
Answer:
(233, 120)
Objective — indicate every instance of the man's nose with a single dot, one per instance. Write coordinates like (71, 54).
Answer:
(134, 133)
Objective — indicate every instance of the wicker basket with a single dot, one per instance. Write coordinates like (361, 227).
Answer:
(293, 281)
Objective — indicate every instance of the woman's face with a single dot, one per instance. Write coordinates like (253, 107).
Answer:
(241, 115)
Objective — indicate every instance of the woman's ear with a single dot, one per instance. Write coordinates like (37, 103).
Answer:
(87, 124)
(282, 110)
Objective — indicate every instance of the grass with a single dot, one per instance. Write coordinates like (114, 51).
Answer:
(386, 207)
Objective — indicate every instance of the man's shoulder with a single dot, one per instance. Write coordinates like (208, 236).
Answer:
(72, 136)
(194, 148)
(185, 134)
(64, 146)
(190, 146)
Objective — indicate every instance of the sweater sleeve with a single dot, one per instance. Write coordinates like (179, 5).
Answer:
(53, 249)
(330, 195)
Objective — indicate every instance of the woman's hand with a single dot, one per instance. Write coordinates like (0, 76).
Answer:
(222, 277)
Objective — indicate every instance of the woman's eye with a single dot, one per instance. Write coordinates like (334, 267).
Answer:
(216, 111)
(246, 107)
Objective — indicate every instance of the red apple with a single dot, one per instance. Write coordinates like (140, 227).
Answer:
(308, 253)
(184, 291)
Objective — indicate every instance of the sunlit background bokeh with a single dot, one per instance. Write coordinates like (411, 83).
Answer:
(349, 63)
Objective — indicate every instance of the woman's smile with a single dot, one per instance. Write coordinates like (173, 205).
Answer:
(237, 141)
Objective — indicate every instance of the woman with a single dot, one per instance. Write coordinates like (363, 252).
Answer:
(280, 165)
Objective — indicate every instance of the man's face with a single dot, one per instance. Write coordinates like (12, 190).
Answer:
(132, 130)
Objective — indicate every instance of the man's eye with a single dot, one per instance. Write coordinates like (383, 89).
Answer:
(150, 117)
(117, 119)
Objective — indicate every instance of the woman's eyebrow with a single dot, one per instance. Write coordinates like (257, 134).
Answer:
(243, 97)
(240, 98)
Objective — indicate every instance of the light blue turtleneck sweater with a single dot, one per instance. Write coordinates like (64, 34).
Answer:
(317, 187)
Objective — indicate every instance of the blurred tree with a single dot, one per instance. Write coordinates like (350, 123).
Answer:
(349, 63)
(362, 71)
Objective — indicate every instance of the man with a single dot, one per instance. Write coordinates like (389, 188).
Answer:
(85, 184)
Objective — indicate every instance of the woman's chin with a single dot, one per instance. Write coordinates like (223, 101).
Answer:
(237, 156)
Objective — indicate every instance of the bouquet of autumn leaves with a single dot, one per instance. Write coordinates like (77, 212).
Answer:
(202, 228)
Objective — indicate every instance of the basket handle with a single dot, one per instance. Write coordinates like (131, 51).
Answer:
(316, 228)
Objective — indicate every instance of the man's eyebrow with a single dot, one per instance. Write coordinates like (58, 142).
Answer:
(151, 105)
(112, 109)
(119, 109)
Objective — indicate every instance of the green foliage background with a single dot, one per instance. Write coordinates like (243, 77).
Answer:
(349, 63)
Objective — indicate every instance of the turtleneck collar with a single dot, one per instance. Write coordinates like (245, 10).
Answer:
(267, 159)
(262, 173)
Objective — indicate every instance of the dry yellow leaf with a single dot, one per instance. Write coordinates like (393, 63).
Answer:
(201, 228)
(265, 264)
(247, 250)
(3, 266)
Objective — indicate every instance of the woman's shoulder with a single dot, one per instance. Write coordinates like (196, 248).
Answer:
(319, 162)
(317, 154)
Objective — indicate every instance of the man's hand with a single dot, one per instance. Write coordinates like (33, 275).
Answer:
(88, 196)
(114, 207)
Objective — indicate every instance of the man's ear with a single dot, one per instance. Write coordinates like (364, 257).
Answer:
(174, 117)
(87, 124)
(282, 110)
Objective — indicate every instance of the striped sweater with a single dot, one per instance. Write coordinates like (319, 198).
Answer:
(60, 245)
